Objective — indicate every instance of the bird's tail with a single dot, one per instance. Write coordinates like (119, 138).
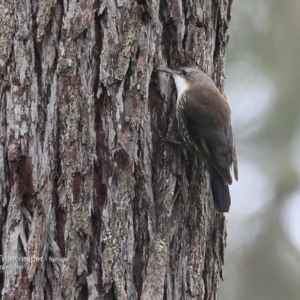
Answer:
(220, 191)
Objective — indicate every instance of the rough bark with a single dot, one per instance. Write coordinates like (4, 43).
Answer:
(94, 205)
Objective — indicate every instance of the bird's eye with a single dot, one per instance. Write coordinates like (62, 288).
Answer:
(185, 72)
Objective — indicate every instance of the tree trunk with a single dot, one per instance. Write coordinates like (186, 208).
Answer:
(94, 204)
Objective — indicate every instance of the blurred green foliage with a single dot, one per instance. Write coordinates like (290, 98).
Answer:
(263, 87)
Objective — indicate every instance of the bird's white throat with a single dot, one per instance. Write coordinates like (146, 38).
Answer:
(181, 85)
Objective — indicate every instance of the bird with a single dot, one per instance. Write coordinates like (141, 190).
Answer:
(204, 124)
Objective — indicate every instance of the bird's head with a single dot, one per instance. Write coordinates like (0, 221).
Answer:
(184, 78)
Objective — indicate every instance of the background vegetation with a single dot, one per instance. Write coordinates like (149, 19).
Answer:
(263, 88)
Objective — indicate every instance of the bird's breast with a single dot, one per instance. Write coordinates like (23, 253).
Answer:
(182, 126)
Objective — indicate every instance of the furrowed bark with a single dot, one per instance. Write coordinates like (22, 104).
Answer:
(94, 204)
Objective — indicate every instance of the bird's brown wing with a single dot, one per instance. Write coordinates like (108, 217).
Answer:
(216, 148)
(215, 143)
(207, 118)
(222, 155)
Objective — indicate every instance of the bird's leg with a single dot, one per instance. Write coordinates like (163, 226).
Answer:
(171, 141)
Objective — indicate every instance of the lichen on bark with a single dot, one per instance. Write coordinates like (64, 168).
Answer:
(86, 182)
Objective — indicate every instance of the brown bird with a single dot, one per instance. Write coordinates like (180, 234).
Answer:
(203, 117)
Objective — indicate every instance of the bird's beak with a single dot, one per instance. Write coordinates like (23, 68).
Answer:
(167, 70)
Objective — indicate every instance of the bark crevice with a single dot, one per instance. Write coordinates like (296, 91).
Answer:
(86, 182)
